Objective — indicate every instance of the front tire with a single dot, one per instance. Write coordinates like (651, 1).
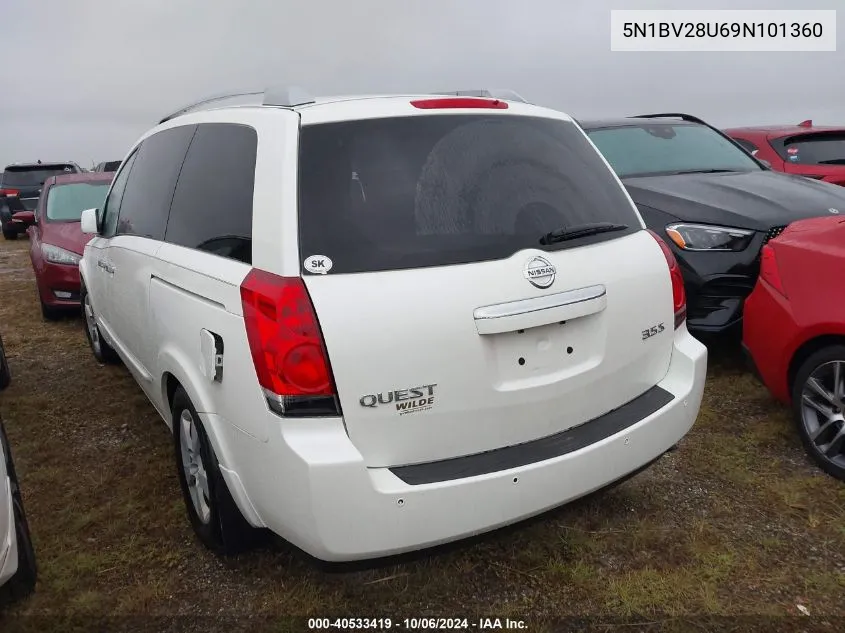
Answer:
(103, 352)
(818, 403)
(10, 235)
(213, 513)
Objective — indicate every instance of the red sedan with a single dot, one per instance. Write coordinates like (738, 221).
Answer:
(56, 241)
(805, 149)
(794, 332)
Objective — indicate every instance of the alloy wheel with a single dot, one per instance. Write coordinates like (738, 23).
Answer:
(196, 475)
(823, 411)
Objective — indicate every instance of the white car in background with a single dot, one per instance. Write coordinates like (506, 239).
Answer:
(376, 324)
(17, 557)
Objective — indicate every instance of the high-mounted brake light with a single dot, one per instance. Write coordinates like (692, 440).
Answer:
(769, 271)
(287, 346)
(679, 295)
(459, 102)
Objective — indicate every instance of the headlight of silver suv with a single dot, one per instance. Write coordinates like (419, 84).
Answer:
(56, 255)
(705, 237)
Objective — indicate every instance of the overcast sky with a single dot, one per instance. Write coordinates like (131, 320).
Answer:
(83, 79)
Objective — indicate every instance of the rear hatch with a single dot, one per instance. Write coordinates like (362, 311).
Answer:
(450, 328)
(26, 181)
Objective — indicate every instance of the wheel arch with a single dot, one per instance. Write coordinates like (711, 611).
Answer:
(176, 371)
(807, 349)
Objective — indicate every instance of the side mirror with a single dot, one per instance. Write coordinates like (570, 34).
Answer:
(766, 163)
(25, 218)
(89, 223)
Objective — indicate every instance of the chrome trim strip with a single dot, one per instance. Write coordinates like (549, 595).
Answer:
(536, 304)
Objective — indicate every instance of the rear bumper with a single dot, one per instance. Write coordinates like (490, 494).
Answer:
(8, 225)
(311, 486)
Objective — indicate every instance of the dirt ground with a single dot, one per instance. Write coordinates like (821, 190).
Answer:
(733, 531)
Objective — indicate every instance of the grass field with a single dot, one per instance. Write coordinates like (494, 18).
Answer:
(736, 522)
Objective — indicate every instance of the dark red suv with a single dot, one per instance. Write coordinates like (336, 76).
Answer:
(804, 149)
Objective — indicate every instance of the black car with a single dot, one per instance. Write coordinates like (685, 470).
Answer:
(716, 204)
(20, 186)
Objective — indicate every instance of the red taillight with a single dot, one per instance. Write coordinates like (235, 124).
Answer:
(9, 192)
(460, 102)
(679, 295)
(769, 271)
(287, 345)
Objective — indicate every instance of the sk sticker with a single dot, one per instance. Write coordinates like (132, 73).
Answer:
(317, 264)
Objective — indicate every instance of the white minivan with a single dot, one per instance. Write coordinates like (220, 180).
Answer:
(376, 324)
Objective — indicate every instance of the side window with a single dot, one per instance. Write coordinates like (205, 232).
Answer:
(748, 146)
(111, 207)
(212, 205)
(149, 191)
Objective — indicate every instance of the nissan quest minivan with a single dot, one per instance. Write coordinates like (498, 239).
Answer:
(378, 324)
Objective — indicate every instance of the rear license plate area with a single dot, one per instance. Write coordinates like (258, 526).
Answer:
(546, 353)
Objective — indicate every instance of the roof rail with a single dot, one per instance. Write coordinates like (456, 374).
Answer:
(504, 94)
(281, 96)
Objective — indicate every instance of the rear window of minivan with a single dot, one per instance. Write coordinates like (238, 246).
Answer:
(410, 192)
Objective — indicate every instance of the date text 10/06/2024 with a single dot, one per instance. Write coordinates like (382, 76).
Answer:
(415, 623)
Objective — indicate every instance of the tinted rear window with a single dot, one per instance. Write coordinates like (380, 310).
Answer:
(65, 203)
(409, 192)
(821, 149)
(33, 176)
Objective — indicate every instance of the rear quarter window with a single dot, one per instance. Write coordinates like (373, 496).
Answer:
(212, 205)
(409, 192)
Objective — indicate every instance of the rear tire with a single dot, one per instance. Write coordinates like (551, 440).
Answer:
(103, 352)
(212, 512)
(10, 235)
(821, 425)
(23, 582)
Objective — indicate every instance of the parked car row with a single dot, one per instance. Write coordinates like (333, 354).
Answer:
(376, 325)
